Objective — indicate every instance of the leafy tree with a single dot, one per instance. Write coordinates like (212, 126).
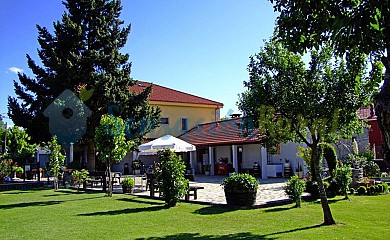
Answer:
(79, 177)
(171, 178)
(19, 146)
(291, 102)
(111, 143)
(83, 55)
(347, 24)
(56, 159)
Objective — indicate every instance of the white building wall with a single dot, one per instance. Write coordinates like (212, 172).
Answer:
(224, 152)
(251, 153)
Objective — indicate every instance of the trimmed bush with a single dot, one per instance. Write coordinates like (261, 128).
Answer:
(343, 176)
(294, 189)
(361, 190)
(171, 178)
(240, 189)
(385, 187)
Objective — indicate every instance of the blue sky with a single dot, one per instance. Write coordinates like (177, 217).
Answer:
(201, 47)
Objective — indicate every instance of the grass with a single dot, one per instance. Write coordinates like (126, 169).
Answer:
(67, 214)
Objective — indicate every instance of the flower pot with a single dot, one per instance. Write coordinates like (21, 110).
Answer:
(240, 198)
(207, 173)
(127, 190)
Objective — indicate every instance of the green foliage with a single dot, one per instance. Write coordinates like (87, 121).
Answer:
(18, 169)
(56, 159)
(371, 169)
(128, 182)
(111, 143)
(83, 54)
(330, 155)
(385, 187)
(19, 146)
(171, 178)
(362, 190)
(305, 154)
(5, 168)
(110, 139)
(343, 177)
(240, 182)
(80, 177)
(294, 189)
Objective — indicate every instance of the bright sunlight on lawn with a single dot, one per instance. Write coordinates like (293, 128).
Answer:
(67, 214)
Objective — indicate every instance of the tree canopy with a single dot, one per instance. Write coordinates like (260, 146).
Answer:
(347, 25)
(310, 104)
(83, 54)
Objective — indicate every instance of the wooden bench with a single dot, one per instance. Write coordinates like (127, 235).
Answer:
(194, 190)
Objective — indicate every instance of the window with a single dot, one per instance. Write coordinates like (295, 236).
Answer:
(184, 124)
(164, 120)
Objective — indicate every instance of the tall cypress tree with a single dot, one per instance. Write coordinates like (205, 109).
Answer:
(83, 53)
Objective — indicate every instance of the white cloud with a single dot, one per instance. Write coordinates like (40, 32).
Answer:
(15, 70)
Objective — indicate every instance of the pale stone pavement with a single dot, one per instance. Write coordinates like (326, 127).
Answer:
(270, 190)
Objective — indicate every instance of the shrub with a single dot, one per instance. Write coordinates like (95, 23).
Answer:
(240, 182)
(128, 182)
(371, 169)
(332, 189)
(171, 178)
(79, 177)
(362, 190)
(371, 190)
(294, 189)
(385, 187)
(343, 177)
(329, 153)
(379, 188)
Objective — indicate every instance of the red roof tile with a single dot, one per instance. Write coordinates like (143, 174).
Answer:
(220, 133)
(164, 94)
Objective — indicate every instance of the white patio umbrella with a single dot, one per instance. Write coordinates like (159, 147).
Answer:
(167, 141)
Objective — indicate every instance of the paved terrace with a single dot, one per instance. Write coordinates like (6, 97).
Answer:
(270, 190)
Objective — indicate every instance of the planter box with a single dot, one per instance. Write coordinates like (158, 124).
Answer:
(241, 198)
(127, 190)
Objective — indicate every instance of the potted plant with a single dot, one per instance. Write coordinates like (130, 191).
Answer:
(18, 171)
(240, 189)
(206, 169)
(127, 185)
(80, 177)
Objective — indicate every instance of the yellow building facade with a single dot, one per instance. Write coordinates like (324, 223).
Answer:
(180, 111)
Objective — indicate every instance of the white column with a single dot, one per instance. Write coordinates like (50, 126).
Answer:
(134, 156)
(192, 162)
(71, 152)
(211, 160)
(235, 158)
(263, 164)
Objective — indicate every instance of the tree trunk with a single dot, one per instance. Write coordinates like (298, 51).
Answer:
(382, 111)
(315, 162)
(109, 179)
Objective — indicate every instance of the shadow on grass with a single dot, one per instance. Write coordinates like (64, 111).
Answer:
(22, 191)
(214, 209)
(247, 236)
(125, 211)
(139, 200)
(30, 204)
(279, 209)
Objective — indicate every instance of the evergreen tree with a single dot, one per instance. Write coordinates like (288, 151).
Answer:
(83, 55)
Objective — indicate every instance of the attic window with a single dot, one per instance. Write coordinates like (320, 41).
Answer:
(164, 120)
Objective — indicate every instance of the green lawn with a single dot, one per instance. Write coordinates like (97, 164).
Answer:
(66, 214)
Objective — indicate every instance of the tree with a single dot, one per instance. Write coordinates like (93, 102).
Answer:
(348, 24)
(56, 159)
(290, 102)
(170, 177)
(83, 55)
(111, 143)
(19, 146)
